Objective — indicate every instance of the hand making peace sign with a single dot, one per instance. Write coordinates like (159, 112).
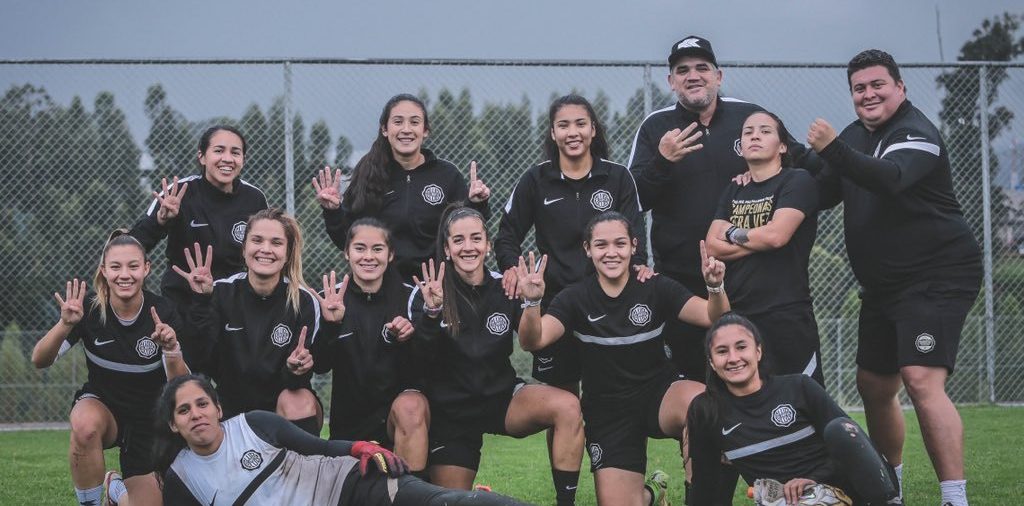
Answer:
(531, 278)
(478, 191)
(433, 291)
(72, 307)
(200, 273)
(170, 200)
(327, 187)
(332, 303)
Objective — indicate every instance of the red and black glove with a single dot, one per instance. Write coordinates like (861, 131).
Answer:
(387, 462)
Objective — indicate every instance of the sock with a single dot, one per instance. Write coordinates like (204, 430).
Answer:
(954, 492)
(308, 424)
(728, 477)
(116, 490)
(565, 486)
(90, 497)
(422, 474)
(686, 492)
(899, 477)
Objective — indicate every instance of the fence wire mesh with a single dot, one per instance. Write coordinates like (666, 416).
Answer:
(83, 145)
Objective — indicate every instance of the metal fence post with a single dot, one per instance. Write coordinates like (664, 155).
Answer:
(986, 195)
(648, 107)
(840, 390)
(289, 156)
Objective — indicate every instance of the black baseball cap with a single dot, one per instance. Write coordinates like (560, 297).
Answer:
(692, 46)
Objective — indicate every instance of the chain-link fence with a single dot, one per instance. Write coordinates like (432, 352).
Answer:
(84, 143)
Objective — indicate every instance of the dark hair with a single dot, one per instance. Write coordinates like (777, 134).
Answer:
(784, 136)
(168, 443)
(451, 214)
(598, 145)
(871, 58)
(588, 232)
(119, 237)
(368, 221)
(204, 139)
(708, 407)
(365, 193)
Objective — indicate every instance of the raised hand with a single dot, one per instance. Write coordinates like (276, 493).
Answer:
(400, 328)
(163, 335)
(72, 306)
(820, 134)
(712, 268)
(509, 280)
(300, 361)
(170, 200)
(431, 285)
(478, 191)
(676, 143)
(332, 303)
(327, 189)
(530, 286)
(200, 272)
(386, 462)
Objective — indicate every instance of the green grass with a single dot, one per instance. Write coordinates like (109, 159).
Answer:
(33, 464)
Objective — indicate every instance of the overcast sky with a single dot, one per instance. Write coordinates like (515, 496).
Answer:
(741, 31)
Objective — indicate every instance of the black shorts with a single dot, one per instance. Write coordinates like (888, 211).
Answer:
(559, 363)
(372, 426)
(792, 345)
(135, 437)
(457, 431)
(617, 432)
(684, 347)
(918, 326)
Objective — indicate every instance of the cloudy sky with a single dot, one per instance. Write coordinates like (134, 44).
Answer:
(741, 31)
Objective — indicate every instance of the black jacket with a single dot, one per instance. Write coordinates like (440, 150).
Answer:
(902, 220)
(207, 216)
(411, 209)
(559, 210)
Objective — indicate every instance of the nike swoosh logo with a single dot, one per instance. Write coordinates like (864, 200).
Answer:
(544, 368)
(229, 328)
(571, 488)
(432, 450)
(444, 324)
(592, 319)
(97, 342)
(193, 224)
(343, 336)
(390, 192)
(726, 432)
(552, 201)
(214, 498)
(909, 138)
(545, 360)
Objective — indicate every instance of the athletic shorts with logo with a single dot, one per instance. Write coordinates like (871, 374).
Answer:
(617, 431)
(135, 435)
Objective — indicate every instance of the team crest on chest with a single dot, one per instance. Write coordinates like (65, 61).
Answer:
(238, 232)
(497, 324)
(145, 347)
(281, 335)
(783, 415)
(737, 147)
(640, 315)
(251, 460)
(925, 343)
(601, 200)
(433, 194)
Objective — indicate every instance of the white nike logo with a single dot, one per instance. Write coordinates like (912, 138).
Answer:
(571, 488)
(229, 328)
(193, 224)
(343, 336)
(544, 368)
(97, 342)
(444, 324)
(432, 450)
(390, 192)
(726, 432)
(552, 201)
(545, 360)
(592, 319)
(909, 138)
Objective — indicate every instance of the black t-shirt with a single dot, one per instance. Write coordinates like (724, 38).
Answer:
(125, 365)
(621, 347)
(767, 280)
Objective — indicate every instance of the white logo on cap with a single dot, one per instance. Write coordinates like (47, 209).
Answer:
(924, 343)
(691, 42)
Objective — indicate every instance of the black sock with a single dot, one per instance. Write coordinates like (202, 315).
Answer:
(309, 424)
(422, 474)
(565, 486)
(686, 492)
(728, 476)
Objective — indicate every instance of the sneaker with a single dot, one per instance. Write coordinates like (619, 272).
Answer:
(769, 492)
(109, 478)
(658, 483)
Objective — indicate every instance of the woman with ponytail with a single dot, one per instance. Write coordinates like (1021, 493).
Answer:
(401, 183)
(131, 350)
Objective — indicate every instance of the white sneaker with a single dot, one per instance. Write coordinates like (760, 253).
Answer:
(769, 492)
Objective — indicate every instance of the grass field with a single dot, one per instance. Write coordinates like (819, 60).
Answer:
(33, 465)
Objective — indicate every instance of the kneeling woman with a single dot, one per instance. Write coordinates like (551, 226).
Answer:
(251, 329)
(373, 393)
(630, 389)
(260, 458)
(467, 337)
(782, 432)
(131, 350)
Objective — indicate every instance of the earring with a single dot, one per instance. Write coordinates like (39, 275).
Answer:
(447, 257)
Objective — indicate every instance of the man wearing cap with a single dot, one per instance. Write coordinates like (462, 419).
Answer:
(683, 157)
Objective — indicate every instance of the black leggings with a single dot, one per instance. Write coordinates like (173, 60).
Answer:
(413, 491)
(869, 478)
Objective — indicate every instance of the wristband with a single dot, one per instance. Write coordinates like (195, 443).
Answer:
(173, 352)
(530, 303)
(432, 312)
(728, 234)
(715, 289)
